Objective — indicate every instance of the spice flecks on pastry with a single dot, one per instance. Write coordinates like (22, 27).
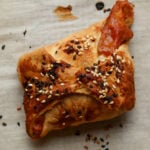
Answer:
(85, 77)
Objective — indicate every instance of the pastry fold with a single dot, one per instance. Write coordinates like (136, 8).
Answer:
(85, 77)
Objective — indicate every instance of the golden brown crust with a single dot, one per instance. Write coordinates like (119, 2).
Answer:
(68, 83)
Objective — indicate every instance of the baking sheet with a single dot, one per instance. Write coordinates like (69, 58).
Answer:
(129, 131)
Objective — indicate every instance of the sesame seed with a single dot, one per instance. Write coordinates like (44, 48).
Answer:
(46, 92)
(117, 69)
(37, 99)
(52, 77)
(112, 102)
(94, 81)
(123, 71)
(105, 83)
(30, 85)
(105, 102)
(87, 36)
(42, 74)
(118, 57)
(36, 78)
(76, 40)
(40, 91)
(51, 92)
(118, 81)
(49, 96)
(87, 70)
(43, 101)
(80, 117)
(123, 61)
(107, 74)
(114, 86)
(84, 39)
(46, 75)
(80, 53)
(79, 82)
(99, 74)
(31, 96)
(67, 116)
(63, 123)
(57, 94)
(101, 96)
(64, 112)
(51, 87)
(62, 84)
(26, 90)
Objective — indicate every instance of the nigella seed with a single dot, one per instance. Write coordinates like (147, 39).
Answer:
(107, 143)
(132, 57)
(101, 139)
(103, 146)
(24, 33)
(77, 133)
(4, 124)
(18, 123)
(99, 5)
(88, 137)
(106, 10)
(1, 116)
(3, 47)
(108, 98)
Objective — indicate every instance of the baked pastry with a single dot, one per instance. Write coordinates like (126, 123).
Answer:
(85, 77)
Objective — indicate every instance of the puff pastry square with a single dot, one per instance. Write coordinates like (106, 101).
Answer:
(85, 77)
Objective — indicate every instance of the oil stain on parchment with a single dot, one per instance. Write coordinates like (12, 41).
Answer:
(64, 13)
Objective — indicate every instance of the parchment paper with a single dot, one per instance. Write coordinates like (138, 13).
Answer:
(128, 132)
